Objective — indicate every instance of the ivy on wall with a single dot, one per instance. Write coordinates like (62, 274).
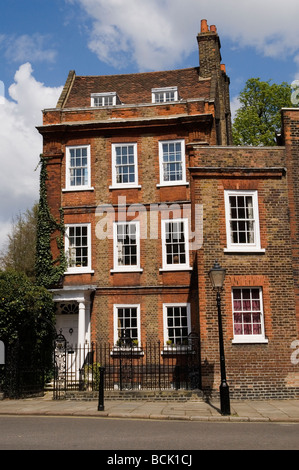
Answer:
(49, 271)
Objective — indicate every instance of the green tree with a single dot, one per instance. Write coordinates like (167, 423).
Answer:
(23, 305)
(27, 319)
(258, 119)
(19, 254)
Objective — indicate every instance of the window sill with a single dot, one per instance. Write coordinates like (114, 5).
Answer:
(80, 271)
(170, 350)
(248, 340)
(77, 188)
(177, 268)
(175, 183)
(127, 351)
(128, 270)
(124, 186)
(244, 250)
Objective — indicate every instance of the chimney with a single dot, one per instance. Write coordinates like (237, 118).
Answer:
(209, 49)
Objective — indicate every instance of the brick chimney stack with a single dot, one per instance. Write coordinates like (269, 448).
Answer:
(210, 67)
(209, 49)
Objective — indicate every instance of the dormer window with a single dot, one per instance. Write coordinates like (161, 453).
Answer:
(104, 99)
(165, 95)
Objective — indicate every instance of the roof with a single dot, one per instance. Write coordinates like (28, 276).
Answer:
(133, 88)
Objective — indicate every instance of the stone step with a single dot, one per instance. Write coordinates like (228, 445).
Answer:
(149, 395)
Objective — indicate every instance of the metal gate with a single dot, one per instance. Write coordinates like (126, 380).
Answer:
(150, 366)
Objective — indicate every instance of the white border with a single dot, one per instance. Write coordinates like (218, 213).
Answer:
(175, 267)
(177, 182)
(165, 326)
(116, 267)
(243, 247)
(247, 339)
(68, 186)
(115, 320)
(76, 269)
(116, 185)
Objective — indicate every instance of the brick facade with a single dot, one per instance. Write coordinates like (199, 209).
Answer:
(199, 121)
(253, 370)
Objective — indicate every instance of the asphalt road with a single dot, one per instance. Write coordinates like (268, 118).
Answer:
(80, 433)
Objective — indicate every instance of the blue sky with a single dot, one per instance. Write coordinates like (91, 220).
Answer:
(41, 40)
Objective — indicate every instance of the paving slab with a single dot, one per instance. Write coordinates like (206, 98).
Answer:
(247, 410)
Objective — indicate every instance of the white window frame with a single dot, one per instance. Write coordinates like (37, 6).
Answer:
(181, 181)
(81, 187)
(126, 268)
(101, 97)
(255, 246)
(175, 266)
(249, 338)
(166, 327)
(115, 183)
(116, 307)
(78, 269)
(164, 94)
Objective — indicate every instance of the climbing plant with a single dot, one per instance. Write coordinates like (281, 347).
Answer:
(48, 270)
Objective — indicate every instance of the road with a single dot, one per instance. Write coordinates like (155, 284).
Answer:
(79, 433)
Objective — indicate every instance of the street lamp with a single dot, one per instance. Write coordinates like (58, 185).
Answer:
(217, 276)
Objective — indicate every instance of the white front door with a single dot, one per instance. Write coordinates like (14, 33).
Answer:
(68, 326)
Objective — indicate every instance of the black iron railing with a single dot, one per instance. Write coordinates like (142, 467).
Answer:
(150, 366)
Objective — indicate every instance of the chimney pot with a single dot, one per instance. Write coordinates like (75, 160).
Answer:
(222, 67)
(204, 26)
(213, 28)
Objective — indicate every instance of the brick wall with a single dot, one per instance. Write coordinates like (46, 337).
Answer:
(253, 370)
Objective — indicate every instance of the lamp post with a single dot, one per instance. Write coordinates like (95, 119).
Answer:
(217, 276)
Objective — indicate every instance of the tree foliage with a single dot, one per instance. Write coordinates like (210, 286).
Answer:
(27, 330)
(20, 252)
(24, 307)
(258, 119)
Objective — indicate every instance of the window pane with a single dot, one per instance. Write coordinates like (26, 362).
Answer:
(127, 323)
(177, 324)
(78, 246)
(172, 161)
(247, 313)
(126, 245)
(78, 166)
(241, 219)
(125, 164)
(175, 244)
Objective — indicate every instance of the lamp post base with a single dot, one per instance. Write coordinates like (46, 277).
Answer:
(224, 399)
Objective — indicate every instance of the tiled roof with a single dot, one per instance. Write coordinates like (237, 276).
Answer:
(136, 88)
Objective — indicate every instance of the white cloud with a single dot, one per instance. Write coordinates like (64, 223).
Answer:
(32, 48)
(234, 106)
(21, 143)
(159, 33)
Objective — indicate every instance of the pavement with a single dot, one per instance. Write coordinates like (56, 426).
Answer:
(193, 410)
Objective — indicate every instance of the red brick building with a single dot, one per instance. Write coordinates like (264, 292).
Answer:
(153, 192)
